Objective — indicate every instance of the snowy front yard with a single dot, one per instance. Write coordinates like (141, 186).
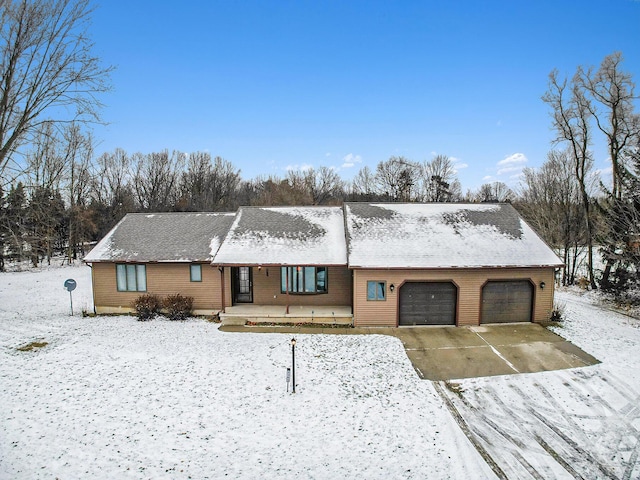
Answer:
(112, 397)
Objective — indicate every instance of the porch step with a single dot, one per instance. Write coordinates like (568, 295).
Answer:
(242, 318)
(232, 319)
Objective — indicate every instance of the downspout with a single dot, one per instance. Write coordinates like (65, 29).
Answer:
(221, 270)
(93, 289)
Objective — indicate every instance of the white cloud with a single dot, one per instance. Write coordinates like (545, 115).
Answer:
(303, 167)
(512, 163)
(349, 160)
(486, 178)
(515, 159)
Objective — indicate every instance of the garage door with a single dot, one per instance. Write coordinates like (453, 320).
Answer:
(426, 303)
(504, 302)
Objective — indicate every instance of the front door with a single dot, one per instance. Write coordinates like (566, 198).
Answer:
(242, 285)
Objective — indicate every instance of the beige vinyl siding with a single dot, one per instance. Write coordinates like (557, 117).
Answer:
(162, 279)
(267, 290)
(468, 281)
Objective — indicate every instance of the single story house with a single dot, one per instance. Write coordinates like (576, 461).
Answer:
(368, 264)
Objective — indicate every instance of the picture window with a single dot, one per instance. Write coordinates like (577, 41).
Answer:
(131, 277)
(303, 279)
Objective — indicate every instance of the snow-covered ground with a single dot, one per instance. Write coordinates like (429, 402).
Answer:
(577, 423)
(111, 397)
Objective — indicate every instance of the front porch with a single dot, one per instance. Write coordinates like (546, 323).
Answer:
(243, 314)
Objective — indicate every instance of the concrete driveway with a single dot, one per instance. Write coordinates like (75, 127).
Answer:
(445, 353)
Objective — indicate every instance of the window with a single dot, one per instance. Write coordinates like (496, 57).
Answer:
(131, 278)
(196, 272)
(376, 290)
(304, 279)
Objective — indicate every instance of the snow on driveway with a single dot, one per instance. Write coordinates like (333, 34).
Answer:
(578, 423)
(111, 397)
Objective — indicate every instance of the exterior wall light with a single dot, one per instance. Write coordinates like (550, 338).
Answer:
(542, 284)
(392, 287)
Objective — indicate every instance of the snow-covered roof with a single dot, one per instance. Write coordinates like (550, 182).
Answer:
(442, 235)
(163, 237)
(285, 236)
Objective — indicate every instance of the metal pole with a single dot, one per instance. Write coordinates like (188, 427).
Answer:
(293, 365)
(71, 300)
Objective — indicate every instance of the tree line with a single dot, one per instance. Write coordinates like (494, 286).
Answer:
(65, 199)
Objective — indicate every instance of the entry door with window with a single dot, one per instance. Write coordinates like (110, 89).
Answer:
(242, 285)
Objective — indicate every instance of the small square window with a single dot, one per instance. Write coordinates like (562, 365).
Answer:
(196, 272)
(376, 290)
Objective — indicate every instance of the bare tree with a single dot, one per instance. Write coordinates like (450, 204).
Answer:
(613, 90)
(363, 186)
(112, 190)
(571, 113)
(273, 190)
(396, 179)
(494, 192)
(156, 180)
(324, 186)
(113, 177)
(612, 93)
(550, 200)
(45, 166)
(3, 227)
(294, 190)
(48, 69)
(207, 186)
(78, 155)
(439, 180)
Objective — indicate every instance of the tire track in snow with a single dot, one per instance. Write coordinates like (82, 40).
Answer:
(586, 437)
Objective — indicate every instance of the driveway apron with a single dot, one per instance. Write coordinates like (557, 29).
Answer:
(445, 353)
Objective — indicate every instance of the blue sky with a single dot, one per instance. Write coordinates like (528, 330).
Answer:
(288, 84)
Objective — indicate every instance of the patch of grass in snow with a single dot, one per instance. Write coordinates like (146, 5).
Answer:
(29, 347)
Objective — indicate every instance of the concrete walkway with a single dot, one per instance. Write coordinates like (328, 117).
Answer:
(445, 353)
